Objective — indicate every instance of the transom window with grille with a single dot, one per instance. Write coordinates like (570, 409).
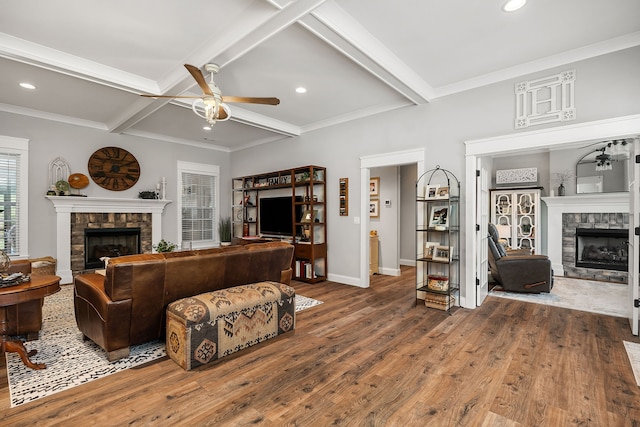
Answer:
(13, 195)
(199, 200)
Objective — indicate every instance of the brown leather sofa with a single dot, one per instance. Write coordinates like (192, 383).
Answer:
(127, 305)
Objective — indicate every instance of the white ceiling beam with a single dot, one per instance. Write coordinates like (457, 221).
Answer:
(339, 29)
(222, 51)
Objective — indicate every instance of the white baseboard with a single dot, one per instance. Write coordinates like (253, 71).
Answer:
(346, 280)
(409, 262)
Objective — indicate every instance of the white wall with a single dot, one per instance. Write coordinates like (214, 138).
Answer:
(605, 87)
(50, 139)
(408, 178)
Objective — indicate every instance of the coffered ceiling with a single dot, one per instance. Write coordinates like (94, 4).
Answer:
(91, 60)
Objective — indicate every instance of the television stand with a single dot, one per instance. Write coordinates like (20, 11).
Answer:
(305, 193)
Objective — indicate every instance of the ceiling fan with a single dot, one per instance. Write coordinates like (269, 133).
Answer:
(214, 103)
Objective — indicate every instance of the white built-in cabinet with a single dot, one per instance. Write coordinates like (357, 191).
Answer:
(516, 215)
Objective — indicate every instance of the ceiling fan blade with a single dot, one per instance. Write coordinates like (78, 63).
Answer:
(148, 95)
(197, 74)
(248, 100)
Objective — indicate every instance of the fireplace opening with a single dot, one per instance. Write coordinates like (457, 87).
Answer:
(109, 242)
(605, 249)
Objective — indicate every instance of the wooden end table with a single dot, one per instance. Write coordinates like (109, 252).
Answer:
(38, 288)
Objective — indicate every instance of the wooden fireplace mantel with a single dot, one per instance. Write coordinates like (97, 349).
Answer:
(66, 205)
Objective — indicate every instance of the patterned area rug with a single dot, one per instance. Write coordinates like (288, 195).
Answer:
(70, 360)
(584, 295)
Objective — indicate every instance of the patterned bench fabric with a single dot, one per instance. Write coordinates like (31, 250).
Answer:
(212, 325)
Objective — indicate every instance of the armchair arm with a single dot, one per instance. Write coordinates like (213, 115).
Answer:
(530, 273)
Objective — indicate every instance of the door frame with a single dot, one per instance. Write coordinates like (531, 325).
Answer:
(397, 158)
(557, 137)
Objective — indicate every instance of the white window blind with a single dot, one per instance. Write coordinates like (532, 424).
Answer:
(10, 202)
(198, 203)
(14, 197)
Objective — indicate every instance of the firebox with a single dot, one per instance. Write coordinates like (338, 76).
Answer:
(109, 242)
(605, 249)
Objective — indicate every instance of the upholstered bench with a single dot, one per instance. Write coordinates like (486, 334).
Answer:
(209, 326)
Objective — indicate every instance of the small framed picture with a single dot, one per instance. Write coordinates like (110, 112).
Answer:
(429, 248)
(442, 193)
(442, 253)
(308, 215)
(439, 217)
(431, 192)
(374, 187)
(374, 208)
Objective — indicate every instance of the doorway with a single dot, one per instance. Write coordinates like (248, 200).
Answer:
(564, 136)
(398, 158)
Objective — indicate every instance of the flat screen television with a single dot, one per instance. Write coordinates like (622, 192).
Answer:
(274, 215)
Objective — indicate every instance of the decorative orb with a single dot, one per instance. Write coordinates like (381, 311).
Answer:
(5, 262)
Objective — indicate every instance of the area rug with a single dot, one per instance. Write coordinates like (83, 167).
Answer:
(577, 294)
(633, 351)
(70, 360)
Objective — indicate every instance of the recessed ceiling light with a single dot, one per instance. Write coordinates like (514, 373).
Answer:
(513, 5)
(27, 85)
(206, 127)
(301, 89)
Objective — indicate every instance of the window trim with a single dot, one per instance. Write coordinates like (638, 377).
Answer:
(20, 146)
(204, 169)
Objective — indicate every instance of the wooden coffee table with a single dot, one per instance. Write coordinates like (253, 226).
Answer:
(38, 288)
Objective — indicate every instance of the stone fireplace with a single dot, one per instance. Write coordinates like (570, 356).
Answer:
(96, 235)
(75, 214)
(600, 213)
(600, 237)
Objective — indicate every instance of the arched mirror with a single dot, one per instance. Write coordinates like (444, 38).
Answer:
(605, 169)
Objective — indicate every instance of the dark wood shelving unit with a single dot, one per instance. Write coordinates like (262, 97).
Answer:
(306, 185)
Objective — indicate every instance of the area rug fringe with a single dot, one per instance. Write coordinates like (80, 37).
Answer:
(70, 360)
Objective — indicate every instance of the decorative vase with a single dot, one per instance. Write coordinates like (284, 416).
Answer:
(561, 190)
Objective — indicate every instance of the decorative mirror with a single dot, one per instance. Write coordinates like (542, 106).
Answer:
(605, 169)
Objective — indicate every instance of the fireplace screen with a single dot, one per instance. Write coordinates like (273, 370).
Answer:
(605, 249)
(109, 242)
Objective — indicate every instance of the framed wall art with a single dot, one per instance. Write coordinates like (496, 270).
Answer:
(374, 187)
(374, 208)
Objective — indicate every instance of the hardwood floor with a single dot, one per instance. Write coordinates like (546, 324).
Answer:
(368, 357)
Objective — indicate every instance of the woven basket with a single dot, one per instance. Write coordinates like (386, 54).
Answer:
(43, 266)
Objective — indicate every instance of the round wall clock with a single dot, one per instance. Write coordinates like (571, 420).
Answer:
(114, 168)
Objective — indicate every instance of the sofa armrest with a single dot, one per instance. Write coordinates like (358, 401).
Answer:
(286, 276)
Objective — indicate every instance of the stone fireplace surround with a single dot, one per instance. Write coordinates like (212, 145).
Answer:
(65, 206)
(565, 214)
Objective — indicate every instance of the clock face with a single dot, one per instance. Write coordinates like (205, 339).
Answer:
(114, 168)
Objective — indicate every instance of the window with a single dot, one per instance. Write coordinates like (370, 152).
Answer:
(14, 218)
(198, 188)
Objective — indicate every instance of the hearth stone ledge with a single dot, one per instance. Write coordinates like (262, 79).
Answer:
(66, 205)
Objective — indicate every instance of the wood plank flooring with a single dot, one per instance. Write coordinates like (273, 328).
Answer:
(368, 357)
